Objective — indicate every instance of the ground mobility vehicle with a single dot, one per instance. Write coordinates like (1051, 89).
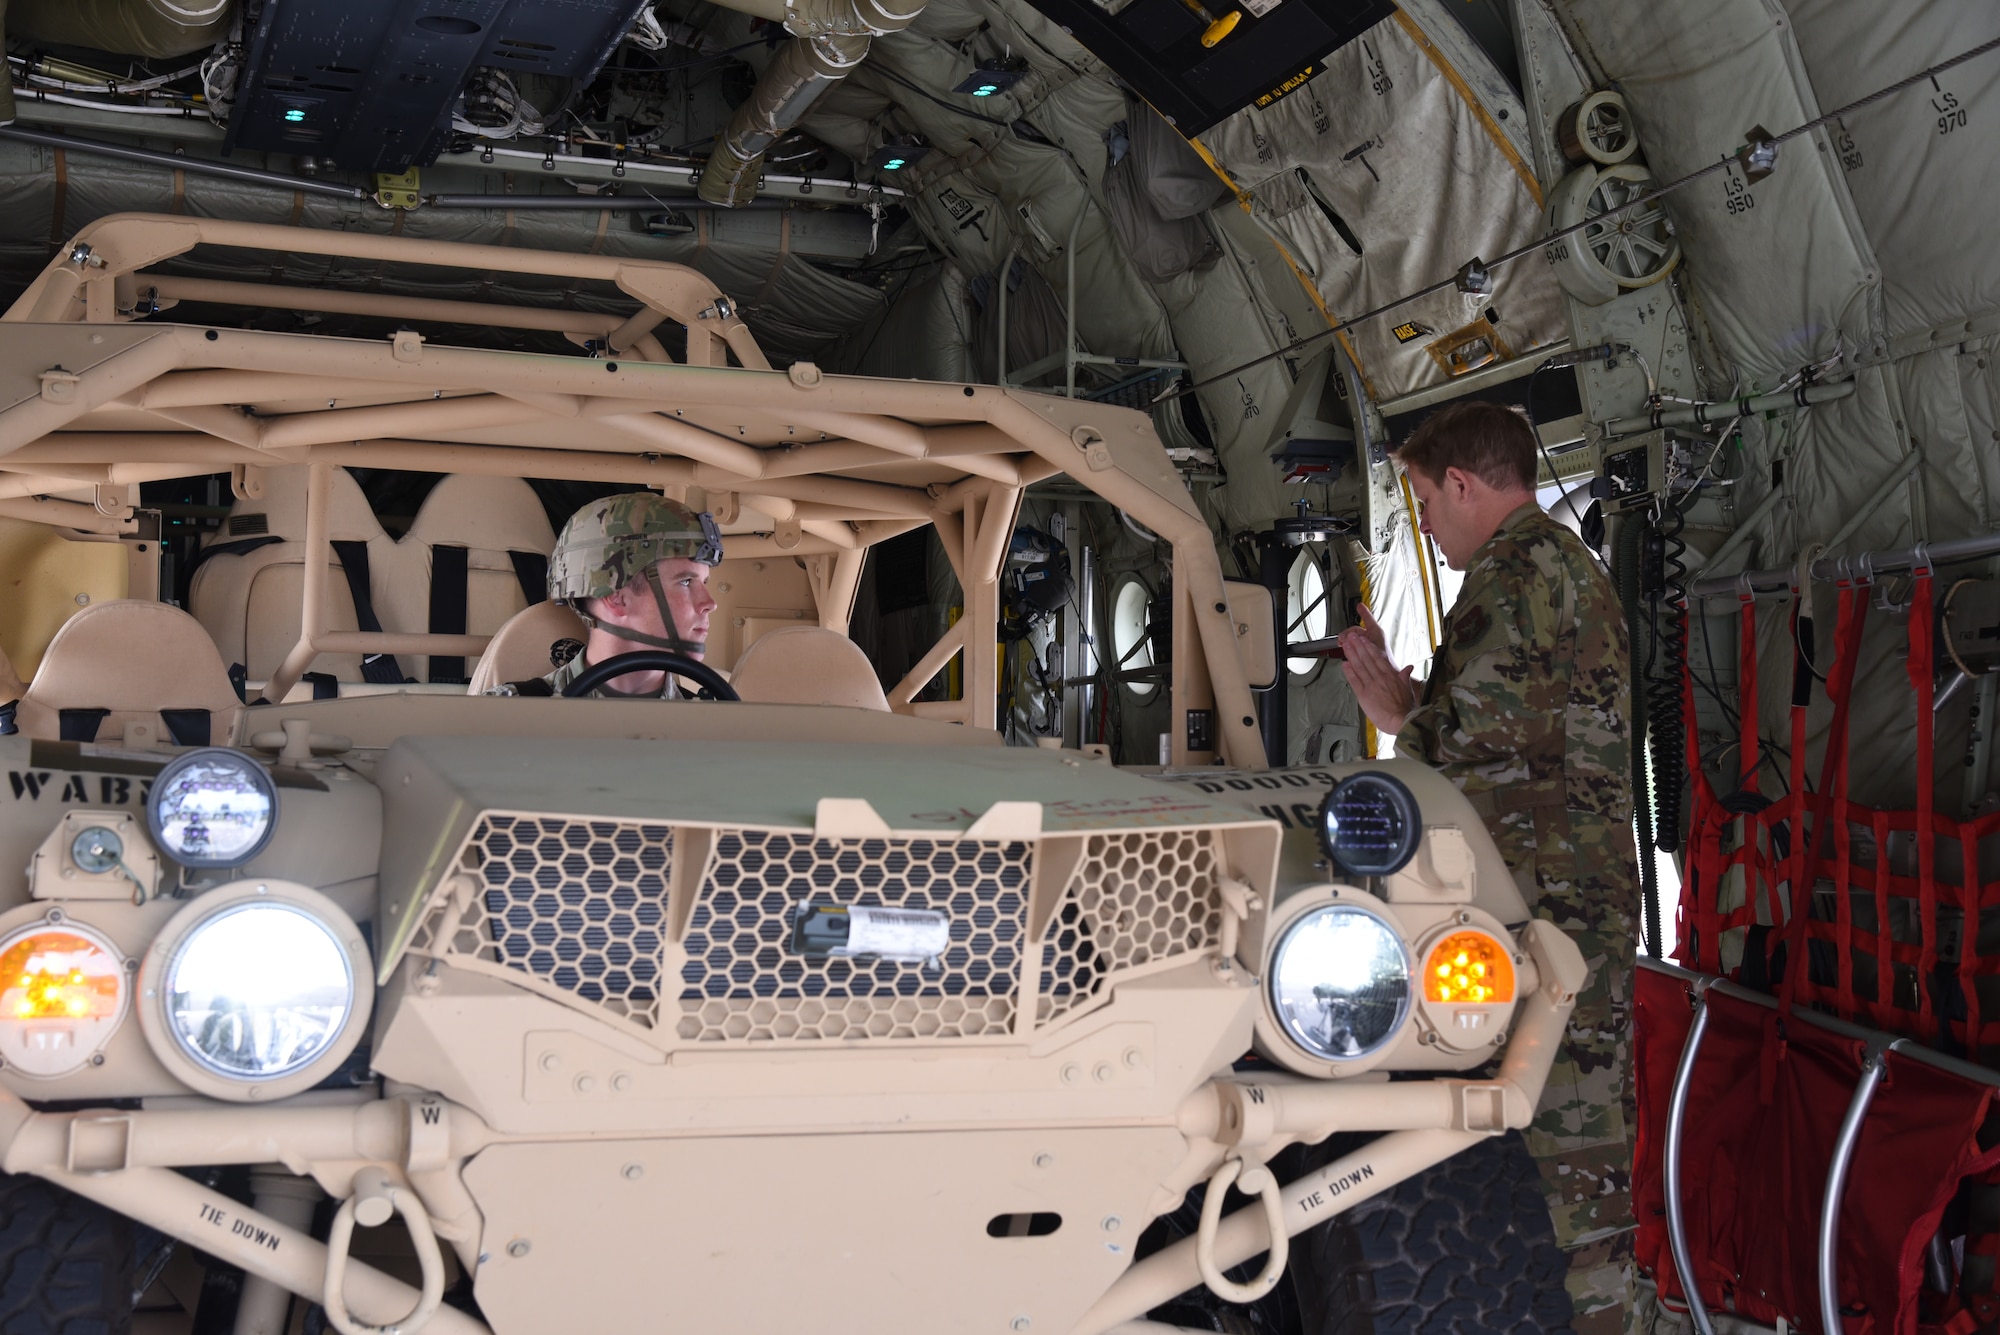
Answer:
(561, 984)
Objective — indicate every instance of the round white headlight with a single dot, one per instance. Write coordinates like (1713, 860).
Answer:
(1340, 982)
(212, 808)
(257, 989)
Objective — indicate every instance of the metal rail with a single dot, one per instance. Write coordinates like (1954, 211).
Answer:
(1872, 1072)
(1069, 358)
(1879, 1046)
(1670, 1170)
(173, 162)
(1863, 568)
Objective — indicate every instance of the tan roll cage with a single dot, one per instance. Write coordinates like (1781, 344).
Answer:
(95, 396)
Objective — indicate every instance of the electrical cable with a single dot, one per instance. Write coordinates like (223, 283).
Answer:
(1541, 243)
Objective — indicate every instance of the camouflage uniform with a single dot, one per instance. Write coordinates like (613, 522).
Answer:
(1528, 710)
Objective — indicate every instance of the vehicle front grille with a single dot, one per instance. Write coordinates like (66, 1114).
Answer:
(1135, 899)
(741, 980)
(581, 910)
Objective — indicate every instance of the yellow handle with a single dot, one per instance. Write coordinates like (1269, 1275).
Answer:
(1221, 28)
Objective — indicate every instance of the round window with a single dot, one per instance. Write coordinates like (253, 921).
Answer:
(1130, 645)
(1306, 607)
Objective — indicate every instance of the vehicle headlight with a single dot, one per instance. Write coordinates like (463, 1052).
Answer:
(212, 808)
(1369, 824)
(257, 989)
(1340, 982)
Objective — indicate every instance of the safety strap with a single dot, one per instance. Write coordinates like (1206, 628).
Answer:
(450, 576)
(325, 685)
(1700, 924)
(240, 547)
(532, 570)
(378, 669)
(1804, 832)
(79, 725)
(7, 728)
(1920, 665)
(1852, 617)
(188, 727)
(1750, 749)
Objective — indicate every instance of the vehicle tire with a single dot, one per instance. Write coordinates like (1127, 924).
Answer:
(65, 1263)
(1464, 1249)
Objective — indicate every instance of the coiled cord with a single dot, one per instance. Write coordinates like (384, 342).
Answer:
(1666, 737)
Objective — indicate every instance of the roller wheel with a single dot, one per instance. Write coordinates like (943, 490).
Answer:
(1598, 130)
(1612, 254)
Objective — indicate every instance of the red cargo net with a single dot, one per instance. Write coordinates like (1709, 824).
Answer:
(1886, 934)
(1893, 893)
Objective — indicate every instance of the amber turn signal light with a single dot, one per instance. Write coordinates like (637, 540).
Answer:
(1469, 967)
(58, 975)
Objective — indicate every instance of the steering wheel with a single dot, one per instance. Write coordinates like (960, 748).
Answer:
(652, 660)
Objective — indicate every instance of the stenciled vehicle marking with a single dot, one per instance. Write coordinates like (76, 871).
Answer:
(1297, 815)
(242, 1228)
(1340, 1186)
(114, 790)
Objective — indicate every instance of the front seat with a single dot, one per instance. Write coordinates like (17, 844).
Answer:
(807, 665)
(131, 661)
(524, 646)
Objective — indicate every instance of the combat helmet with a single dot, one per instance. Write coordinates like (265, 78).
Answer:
(609, 543)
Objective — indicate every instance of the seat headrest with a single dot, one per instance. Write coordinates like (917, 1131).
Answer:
(519, 650)
(132, 654)
(281, 510)
(495, 513)
(808, 665)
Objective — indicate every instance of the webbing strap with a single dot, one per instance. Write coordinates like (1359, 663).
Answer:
(1924, 684)
(532, 570)
(1848, 624)
(450, 575)
(79, 725)
(1700, 927)
(378, 669)
(240, 547)
(1749, 749)
(188, 727)
(1801, 801)
(7, 708)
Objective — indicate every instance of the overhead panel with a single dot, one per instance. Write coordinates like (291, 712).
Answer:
(1274, 48)
(369, 87)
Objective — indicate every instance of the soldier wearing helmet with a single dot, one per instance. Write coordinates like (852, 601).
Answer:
(635, 567)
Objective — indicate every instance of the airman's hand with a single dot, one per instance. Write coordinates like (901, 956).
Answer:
(1387, 694)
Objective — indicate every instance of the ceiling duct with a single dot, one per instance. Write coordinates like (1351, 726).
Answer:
(829, 38)
(153, 29)
(150, 29)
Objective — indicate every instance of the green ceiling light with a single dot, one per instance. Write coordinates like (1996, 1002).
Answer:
(898, 152)
(990, 77)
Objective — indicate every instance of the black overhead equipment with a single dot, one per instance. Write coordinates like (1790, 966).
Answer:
(1156, 46)
(369, 84)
